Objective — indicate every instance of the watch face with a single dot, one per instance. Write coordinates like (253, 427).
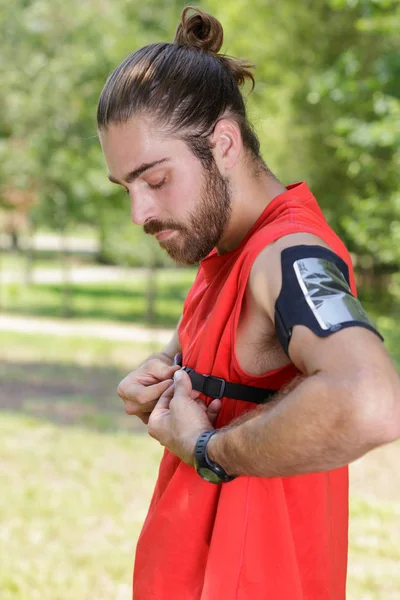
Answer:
(209, 475)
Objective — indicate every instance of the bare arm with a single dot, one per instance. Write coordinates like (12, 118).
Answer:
(347, 403)
(328, 420)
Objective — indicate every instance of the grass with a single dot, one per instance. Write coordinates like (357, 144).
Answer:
(52, 350)
(123, 300)
(116, 301)
(374, 553)
(68, 380)
(18, 261)
(72, 504)
(76, 471)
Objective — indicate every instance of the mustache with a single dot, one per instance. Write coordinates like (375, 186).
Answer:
(155, 226)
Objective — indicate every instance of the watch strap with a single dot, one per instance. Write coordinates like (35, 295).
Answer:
(201, 459)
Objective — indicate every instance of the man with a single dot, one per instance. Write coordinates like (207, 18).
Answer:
(272, 319)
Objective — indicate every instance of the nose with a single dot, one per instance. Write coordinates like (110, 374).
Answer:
(142, 208)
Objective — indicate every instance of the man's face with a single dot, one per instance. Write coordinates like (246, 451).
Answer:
(185, 206)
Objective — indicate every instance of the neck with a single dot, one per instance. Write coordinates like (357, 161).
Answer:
(250, 197)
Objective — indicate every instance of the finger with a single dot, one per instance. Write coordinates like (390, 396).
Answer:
(144, 417)
(213, 410)
(201, 403)
(165, 398)
(139, 405)
(169, 392)
(137, 410)
(144, 395)
(178, 359)
(158, 389)
(160, 370)
(194, 394)
(183, 385)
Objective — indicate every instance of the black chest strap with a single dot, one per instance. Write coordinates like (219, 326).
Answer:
(216, 387)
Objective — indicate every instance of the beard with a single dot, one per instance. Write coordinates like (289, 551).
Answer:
(205, 225)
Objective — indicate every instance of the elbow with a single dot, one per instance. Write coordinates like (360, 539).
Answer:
(376, 408)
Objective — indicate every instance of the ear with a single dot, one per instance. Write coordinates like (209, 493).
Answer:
(227, 144)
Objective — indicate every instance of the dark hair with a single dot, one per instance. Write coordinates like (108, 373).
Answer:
(186, 85)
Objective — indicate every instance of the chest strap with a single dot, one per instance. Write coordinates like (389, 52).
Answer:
(216, 387)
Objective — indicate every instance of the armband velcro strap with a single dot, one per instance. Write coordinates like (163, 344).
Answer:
(316, 293)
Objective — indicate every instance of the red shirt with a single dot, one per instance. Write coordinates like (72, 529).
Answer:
(281, 538)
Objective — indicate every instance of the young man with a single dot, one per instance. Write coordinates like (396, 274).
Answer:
(271, 320)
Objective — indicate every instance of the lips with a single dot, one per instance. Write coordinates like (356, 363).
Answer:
(163, 235)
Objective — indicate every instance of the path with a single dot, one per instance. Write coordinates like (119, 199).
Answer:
(82, 328)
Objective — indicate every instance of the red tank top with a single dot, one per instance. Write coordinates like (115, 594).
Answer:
(253, 538)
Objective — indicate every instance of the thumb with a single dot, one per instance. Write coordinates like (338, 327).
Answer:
(213, 410)
(165, 399)
(167, 371)
(183, 385)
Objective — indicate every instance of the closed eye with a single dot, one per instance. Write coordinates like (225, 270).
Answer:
(157, 186)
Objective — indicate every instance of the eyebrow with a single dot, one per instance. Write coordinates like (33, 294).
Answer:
(132, 175)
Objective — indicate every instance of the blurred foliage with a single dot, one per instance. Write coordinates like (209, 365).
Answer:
(56, 57)
(326, 106)
(328, 109)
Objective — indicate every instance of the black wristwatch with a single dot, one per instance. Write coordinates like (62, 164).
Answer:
(206, 468)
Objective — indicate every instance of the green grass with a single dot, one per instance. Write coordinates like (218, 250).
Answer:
(76, 472)
(67, 380)
(18, 347)
(72, 504)
(16, 261)
(374, 553)
(116, 300)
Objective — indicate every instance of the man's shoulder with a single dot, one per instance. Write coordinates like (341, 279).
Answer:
(265, 278)
(271, 253)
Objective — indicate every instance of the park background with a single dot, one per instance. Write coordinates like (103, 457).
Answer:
(84, 296)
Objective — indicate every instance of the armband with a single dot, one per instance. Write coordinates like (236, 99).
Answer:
(316, 293)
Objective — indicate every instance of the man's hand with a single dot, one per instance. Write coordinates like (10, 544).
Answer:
(179, 418)
(141, 389)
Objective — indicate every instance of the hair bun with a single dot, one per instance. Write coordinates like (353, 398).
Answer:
(199, 30)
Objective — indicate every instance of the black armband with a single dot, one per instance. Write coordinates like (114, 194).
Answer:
(316, 293)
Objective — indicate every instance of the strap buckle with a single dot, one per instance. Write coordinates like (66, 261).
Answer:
(209, 387)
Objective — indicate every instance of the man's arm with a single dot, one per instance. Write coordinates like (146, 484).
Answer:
(347, 403)
(332, 417)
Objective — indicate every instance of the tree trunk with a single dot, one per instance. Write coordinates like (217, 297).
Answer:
(62, 207)
(151, 291)
(1, 283)
(66, 291)
(29, 259)
(15, 247)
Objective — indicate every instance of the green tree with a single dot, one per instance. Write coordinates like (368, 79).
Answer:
(327, 108)
(56, 57)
